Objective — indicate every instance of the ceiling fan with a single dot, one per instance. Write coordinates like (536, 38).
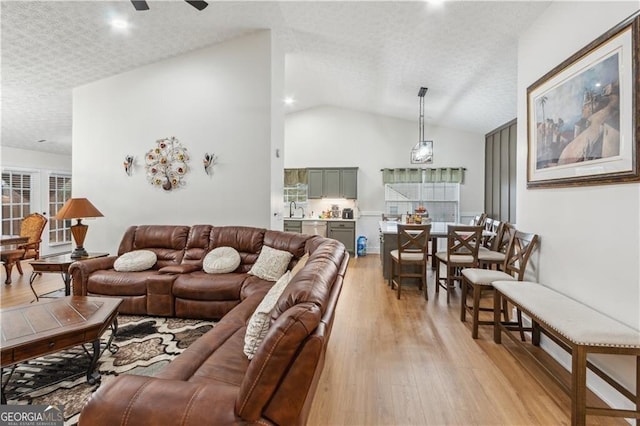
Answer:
(142, 4)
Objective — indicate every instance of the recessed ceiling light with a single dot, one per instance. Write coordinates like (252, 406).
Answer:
(119, 24)
(289, 100)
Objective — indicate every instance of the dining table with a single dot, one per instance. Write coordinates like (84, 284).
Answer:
(11, 253)
(389, 240)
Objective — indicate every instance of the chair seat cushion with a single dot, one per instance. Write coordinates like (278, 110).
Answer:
(491, 256)
(409, 257)
(456, 258)
(485, 276)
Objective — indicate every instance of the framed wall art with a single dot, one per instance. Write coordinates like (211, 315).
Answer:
(582, 116)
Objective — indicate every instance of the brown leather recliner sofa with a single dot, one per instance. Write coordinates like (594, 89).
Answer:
(213, 382)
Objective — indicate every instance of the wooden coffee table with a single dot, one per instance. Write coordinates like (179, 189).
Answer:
(34, 330)
(59, 264)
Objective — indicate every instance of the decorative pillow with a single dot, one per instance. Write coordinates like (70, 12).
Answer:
(221, 260)
(271, 264)
(259, 323)
(301, 262)
(134, 261)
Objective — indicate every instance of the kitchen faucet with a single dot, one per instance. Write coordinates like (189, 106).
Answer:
(293, 203)
(301, 208)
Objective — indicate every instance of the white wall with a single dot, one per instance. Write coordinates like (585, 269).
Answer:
(335, 137)
(41, 165)
(590, 236)
(217, 99)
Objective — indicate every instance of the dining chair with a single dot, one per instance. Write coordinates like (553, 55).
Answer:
(478, 281)
(392, 217)
(413, 242)
(463, 242)
(478, 220)
(494, 255)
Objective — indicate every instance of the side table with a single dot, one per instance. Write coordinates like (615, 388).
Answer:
(58, 264)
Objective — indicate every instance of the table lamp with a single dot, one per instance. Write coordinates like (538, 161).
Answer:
(78, 208)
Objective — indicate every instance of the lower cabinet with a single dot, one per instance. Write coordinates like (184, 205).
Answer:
(293, 226)
(345, 232)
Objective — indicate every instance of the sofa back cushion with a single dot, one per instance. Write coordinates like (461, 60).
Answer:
(248, 241)
(287, 241)
(274, 357)
(197, 244)
(314, 281)
(167, 242)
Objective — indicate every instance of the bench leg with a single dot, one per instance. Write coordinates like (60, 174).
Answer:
(637, 383)
(578, 386)
(497, 310)
(535, 333)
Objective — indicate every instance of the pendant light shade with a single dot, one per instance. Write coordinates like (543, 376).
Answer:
(422, 152)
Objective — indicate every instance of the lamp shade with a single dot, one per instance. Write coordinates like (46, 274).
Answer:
(77, 208)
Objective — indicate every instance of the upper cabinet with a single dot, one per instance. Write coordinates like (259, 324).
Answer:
(333, 183)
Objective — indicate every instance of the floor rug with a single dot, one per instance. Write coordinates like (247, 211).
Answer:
(145, 345)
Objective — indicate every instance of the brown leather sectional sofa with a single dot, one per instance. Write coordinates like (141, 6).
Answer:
(213, 382)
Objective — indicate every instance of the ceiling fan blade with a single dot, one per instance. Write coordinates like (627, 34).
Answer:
(200, 5)
(140, 4)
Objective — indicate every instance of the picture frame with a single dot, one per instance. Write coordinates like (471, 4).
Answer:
(582, 116)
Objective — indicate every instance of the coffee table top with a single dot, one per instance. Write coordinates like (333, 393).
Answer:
(50, 326)
(65, 259)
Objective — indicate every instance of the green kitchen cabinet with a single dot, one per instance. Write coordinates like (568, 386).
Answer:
(293, 226)
(349, 183)
(314, 183)
(333, 183)
(345, 232)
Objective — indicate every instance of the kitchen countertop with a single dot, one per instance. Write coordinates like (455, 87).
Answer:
(305, 219)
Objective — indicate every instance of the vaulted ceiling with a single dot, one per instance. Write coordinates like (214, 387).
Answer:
(369, 56)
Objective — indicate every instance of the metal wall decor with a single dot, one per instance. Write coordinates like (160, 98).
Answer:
(166, 164)
(209, 160)
(128, 164)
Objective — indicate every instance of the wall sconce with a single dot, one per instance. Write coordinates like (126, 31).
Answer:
(208, 161)
(128, 164)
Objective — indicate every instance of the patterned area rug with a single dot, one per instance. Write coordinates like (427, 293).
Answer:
(145, 345)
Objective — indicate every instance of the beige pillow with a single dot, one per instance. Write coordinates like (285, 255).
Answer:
(259, 323)
(134, 261)
(301, 262)
(271, 264)
(221, 260)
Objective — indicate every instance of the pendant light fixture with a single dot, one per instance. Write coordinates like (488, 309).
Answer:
(422, 152)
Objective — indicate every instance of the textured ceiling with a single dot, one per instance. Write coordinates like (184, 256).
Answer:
(370, 56)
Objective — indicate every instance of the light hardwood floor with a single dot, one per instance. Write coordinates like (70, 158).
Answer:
(408, 361)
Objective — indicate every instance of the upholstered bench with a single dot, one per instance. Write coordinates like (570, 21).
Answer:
(578, 329)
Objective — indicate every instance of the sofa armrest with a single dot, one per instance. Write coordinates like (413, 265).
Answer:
(81, 270)
(136, 400)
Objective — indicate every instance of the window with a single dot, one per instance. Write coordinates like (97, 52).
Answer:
(16, 200)
(297, 193)
(441, 199)
(59, 193)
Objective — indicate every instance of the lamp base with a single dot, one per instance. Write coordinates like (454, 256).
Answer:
(79, 231)
(79, 252)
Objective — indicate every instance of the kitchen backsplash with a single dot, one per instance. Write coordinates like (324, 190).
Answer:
(314, 208)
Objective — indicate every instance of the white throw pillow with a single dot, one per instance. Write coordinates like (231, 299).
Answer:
(221, 260)
(137, 260)
(271, 264)
(260, 320)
